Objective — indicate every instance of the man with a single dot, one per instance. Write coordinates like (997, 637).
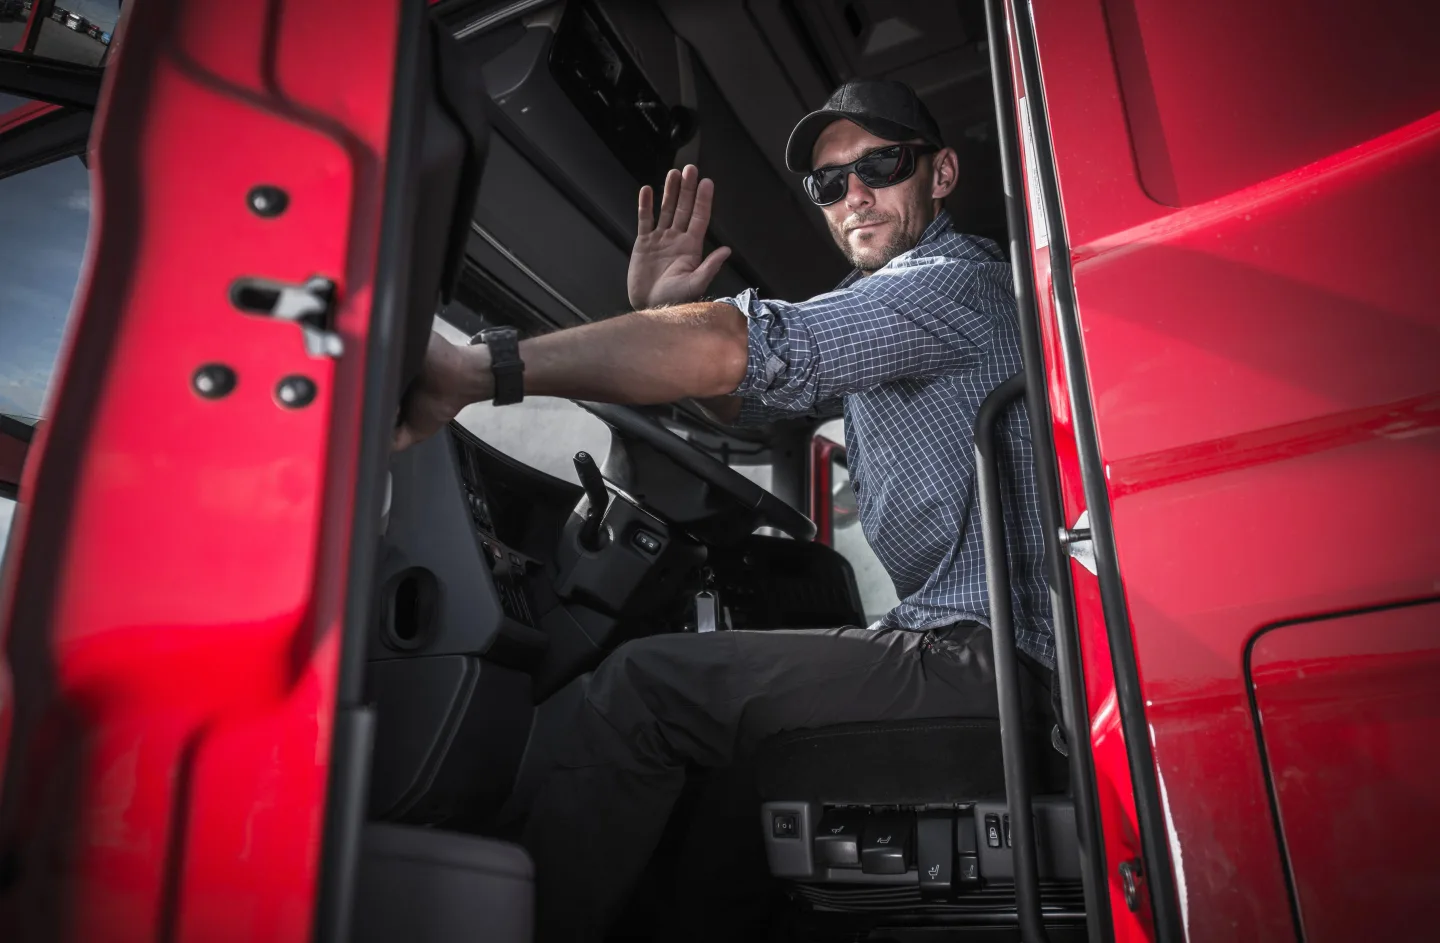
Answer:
(911, 342)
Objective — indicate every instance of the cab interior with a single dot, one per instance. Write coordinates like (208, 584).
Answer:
(498, 583)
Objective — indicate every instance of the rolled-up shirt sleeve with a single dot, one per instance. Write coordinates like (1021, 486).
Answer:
(902, 321)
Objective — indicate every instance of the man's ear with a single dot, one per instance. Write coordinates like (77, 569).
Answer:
(945, 172)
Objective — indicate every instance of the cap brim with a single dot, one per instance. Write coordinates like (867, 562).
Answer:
(801, 147)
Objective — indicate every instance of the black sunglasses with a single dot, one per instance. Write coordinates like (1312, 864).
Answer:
(883, 168)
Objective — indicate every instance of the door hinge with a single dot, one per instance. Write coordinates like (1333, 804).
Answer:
(310, 305)
(1076, 541)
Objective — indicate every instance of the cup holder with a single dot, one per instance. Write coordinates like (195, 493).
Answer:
(409, 606)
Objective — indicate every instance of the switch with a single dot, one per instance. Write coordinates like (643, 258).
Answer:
(885, 844)
(967, 851)
(935, 852)
(784, 825)
(967, 870)
(837, 840)
(965, 842)
(992, 830)
(1007, 831)
(646, 541)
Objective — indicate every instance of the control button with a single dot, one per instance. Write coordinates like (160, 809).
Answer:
(992, 830)
(784, 825)
(967, 870)
(885, 844)
(515, 561)
(934, 852)
(837, 840)
(1007, 831)
(965, 840)
(647, 541)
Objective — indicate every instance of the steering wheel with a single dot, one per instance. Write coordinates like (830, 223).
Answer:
(632, 424)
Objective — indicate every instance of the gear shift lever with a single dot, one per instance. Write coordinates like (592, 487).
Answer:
(594, 485)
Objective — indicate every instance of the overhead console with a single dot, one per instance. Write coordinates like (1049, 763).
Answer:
(587, 109)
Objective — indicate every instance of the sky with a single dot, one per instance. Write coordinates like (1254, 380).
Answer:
(43, 218)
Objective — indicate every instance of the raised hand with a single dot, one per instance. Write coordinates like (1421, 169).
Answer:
(666, 265)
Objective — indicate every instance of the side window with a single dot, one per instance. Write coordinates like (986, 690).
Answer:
(877, 590)
(540, 431)
(78, 31)
(44, 215)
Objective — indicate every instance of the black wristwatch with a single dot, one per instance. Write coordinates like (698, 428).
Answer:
(505, 363)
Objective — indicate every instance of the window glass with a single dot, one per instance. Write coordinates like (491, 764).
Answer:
(78, 31)
(44, 215)
(540, 431)
(13, 14)
(877, 590)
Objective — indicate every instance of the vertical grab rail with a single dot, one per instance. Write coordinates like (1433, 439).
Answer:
(1007, 666)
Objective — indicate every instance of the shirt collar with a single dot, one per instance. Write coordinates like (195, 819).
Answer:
(938, 227)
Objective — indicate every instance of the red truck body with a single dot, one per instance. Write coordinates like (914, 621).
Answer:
(1241, 343)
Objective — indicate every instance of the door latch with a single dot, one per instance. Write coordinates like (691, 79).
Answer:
(1077, 542)
(310, 305)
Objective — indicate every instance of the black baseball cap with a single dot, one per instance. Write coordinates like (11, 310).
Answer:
(887, 109)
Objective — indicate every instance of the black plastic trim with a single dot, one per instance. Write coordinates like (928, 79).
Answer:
(1007, 663)
(44, 140)
(49, 80)
(1159, 876)
(1068, 671)
(346, 793)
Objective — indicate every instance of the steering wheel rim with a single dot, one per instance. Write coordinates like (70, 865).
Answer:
(626, 421)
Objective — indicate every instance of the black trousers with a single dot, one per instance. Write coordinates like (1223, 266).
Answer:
(608, 754)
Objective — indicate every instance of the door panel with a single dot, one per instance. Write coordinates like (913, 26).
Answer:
(1261, 364)
(175, 595)
(1347, 708)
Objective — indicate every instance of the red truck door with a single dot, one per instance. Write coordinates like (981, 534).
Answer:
(183, 743)
(1236, 273)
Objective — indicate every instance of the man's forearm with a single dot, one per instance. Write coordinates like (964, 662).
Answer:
(695, 350)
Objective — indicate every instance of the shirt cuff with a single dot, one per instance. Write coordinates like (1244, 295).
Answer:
(762, 363)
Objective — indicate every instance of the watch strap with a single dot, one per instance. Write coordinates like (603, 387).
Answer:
(505, 363)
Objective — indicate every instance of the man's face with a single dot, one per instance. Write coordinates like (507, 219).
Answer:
(872, 226)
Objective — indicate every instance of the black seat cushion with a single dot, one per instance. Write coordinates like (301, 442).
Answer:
(900, 763)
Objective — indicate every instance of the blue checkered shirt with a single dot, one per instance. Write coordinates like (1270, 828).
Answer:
(910, 352)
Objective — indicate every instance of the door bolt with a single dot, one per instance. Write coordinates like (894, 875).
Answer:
(1131, 877)
(267, 201)
(295, 392)
(213, 381)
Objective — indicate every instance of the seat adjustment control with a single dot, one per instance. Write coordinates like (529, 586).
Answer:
(837, 840)
(967, 852)
(935, 852)
(885, 844)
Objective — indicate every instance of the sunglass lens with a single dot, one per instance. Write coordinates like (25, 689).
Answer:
(886, 168)
(825, 186)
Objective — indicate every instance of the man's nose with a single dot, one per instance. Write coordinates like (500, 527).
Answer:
(857, 194)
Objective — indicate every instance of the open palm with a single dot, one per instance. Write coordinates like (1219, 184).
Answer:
(668, 265)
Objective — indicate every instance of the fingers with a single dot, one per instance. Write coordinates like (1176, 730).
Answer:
(706, 271)
(404, 438)
(669, 200)
(689, 181)
(704, 200)
(646, 222)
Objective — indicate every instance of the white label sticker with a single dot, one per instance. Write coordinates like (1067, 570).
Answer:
(1038, 224)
